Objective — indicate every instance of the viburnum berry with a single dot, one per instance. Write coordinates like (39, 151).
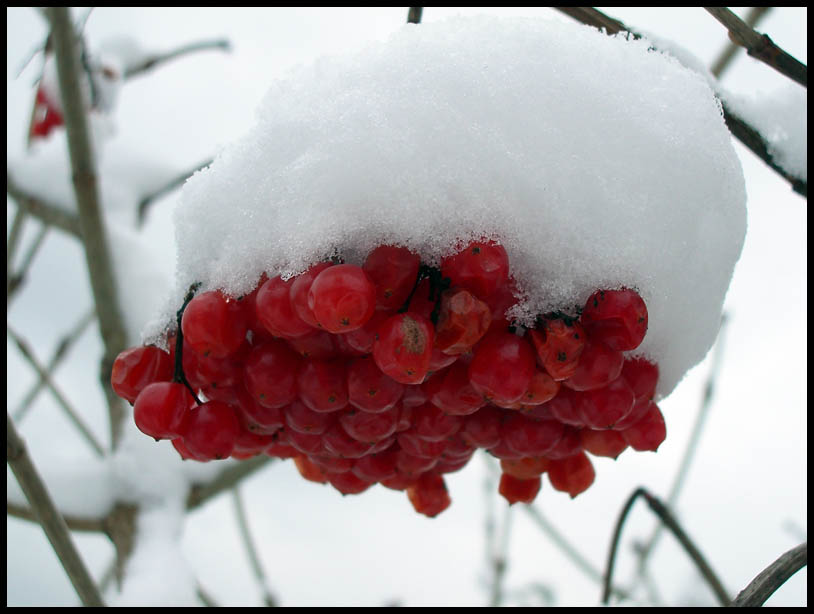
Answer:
(362, 338)
(573, 474)
(309, 470)
(429, 495)
(412, 465)
(481, 267)
(270, 373)
(273, 308)
(411, 443)
(432, 424)
(542, 389)
(649, 432)
(604, 442)
(502, 367)
(530, 437)
(454, 394)
(137, 367)
(214, 324)
(525, 468)
(338, 442)
(369, 389)
(616, 317)
(367, 427)
(323, 385)
(161, 409)
(306, 443)
(298, 294)
(211, 430)
(482, 429)
(559, 343)
(393, 270)
(516, 490)
(299, 417)
(318, 344)
(342, 298)
(598, 366)
(500, 301)
(255, 417)
(403, 347)
(348, 483)
(377, 467)
(604, 407)
(569, 445)
(462, 321)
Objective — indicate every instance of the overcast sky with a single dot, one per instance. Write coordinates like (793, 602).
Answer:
(745, 498)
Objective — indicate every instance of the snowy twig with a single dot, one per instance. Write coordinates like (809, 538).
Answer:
(60, 398)
(47, 213)
(200, 494)
(251, 550)
(151, 61)
(692, 443)
(414, 14)
(667, 518)
(755, 14)
(773, 577)
(174, 183)
(62, 349)
(49, 517)
(97, 255)
(742, 131)
(760, 46)
(15, 280)
(74, 523)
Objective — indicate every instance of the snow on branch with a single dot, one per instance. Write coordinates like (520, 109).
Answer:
(760, 46)
(738, 126)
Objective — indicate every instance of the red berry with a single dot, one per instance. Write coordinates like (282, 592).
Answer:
(525, 468)
(569, 445)
(481, 268)
(393, 271)
(454, 394)
(412, 465)
(214, 324)
(603, 443)
(298, 294)
(161, 409)
(482, 429)
(604, 407)
(573, 474)
(530, 437)
(502, 367)
(377, 467)
(616, 317)
(299, 417)
(462, 321)
(323, 385)
(429, 495)
(403, 347)
(516, 490)
(318, 344)
(211, 430)
(270, 374)
(309, 470)
(598, 366)
(348, 483)
(559, 344)
(367, 427)
(649, 432)
(541, 390)
(418, 446)
(369, 389)
(432, 424)
(273, 308)
(338, 442)
(135, 368)
(255, 417)
(342, 298)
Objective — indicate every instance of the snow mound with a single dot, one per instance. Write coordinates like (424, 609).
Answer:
(595, 161)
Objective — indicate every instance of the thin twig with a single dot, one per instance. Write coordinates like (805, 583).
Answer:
(755, 14)
(171, 185)
(251, 550)
(13, 240)
(668, 519)
(49, 517)
(47, 213)
(414, 14)
(760, 46)
(500, 559)
(97, 254)
(204, 596)
(692, 443)
(773, 577)
(73, 416)
(74, 523)
(62, 350)
(153, 60)
(742, 131)
(200, 494)
(15, 281)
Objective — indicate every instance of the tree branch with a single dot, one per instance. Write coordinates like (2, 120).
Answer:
(773, 577)
(153, 60)
(166, 188)
(747, 135)
(47, 213)
(74, 523)
(49, 517)
(414, 14)
(756, 13)
(667, 518)
(760, 46)
(97, 256)
(251, 550)
(198, 495)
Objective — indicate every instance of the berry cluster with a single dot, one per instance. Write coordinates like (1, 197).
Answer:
(394, 372)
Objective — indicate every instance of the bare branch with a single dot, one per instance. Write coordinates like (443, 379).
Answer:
(60, 398)
(97, 256)
(14, 236)
(668, 519)
(49, 517)
(756, 13)
(414, 14)
(742, 131)
(62, 349)
(14, 281)
(198, 495)
(251, 550)
(760, 46)
(153, 60)
(47, 213)
(773, 577)
(174, 183)
(74, 523)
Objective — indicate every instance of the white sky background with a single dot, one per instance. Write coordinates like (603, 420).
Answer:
(745, 497)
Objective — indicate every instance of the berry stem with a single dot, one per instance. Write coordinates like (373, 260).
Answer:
(671, 523)
(178, 375)
(438, 284)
